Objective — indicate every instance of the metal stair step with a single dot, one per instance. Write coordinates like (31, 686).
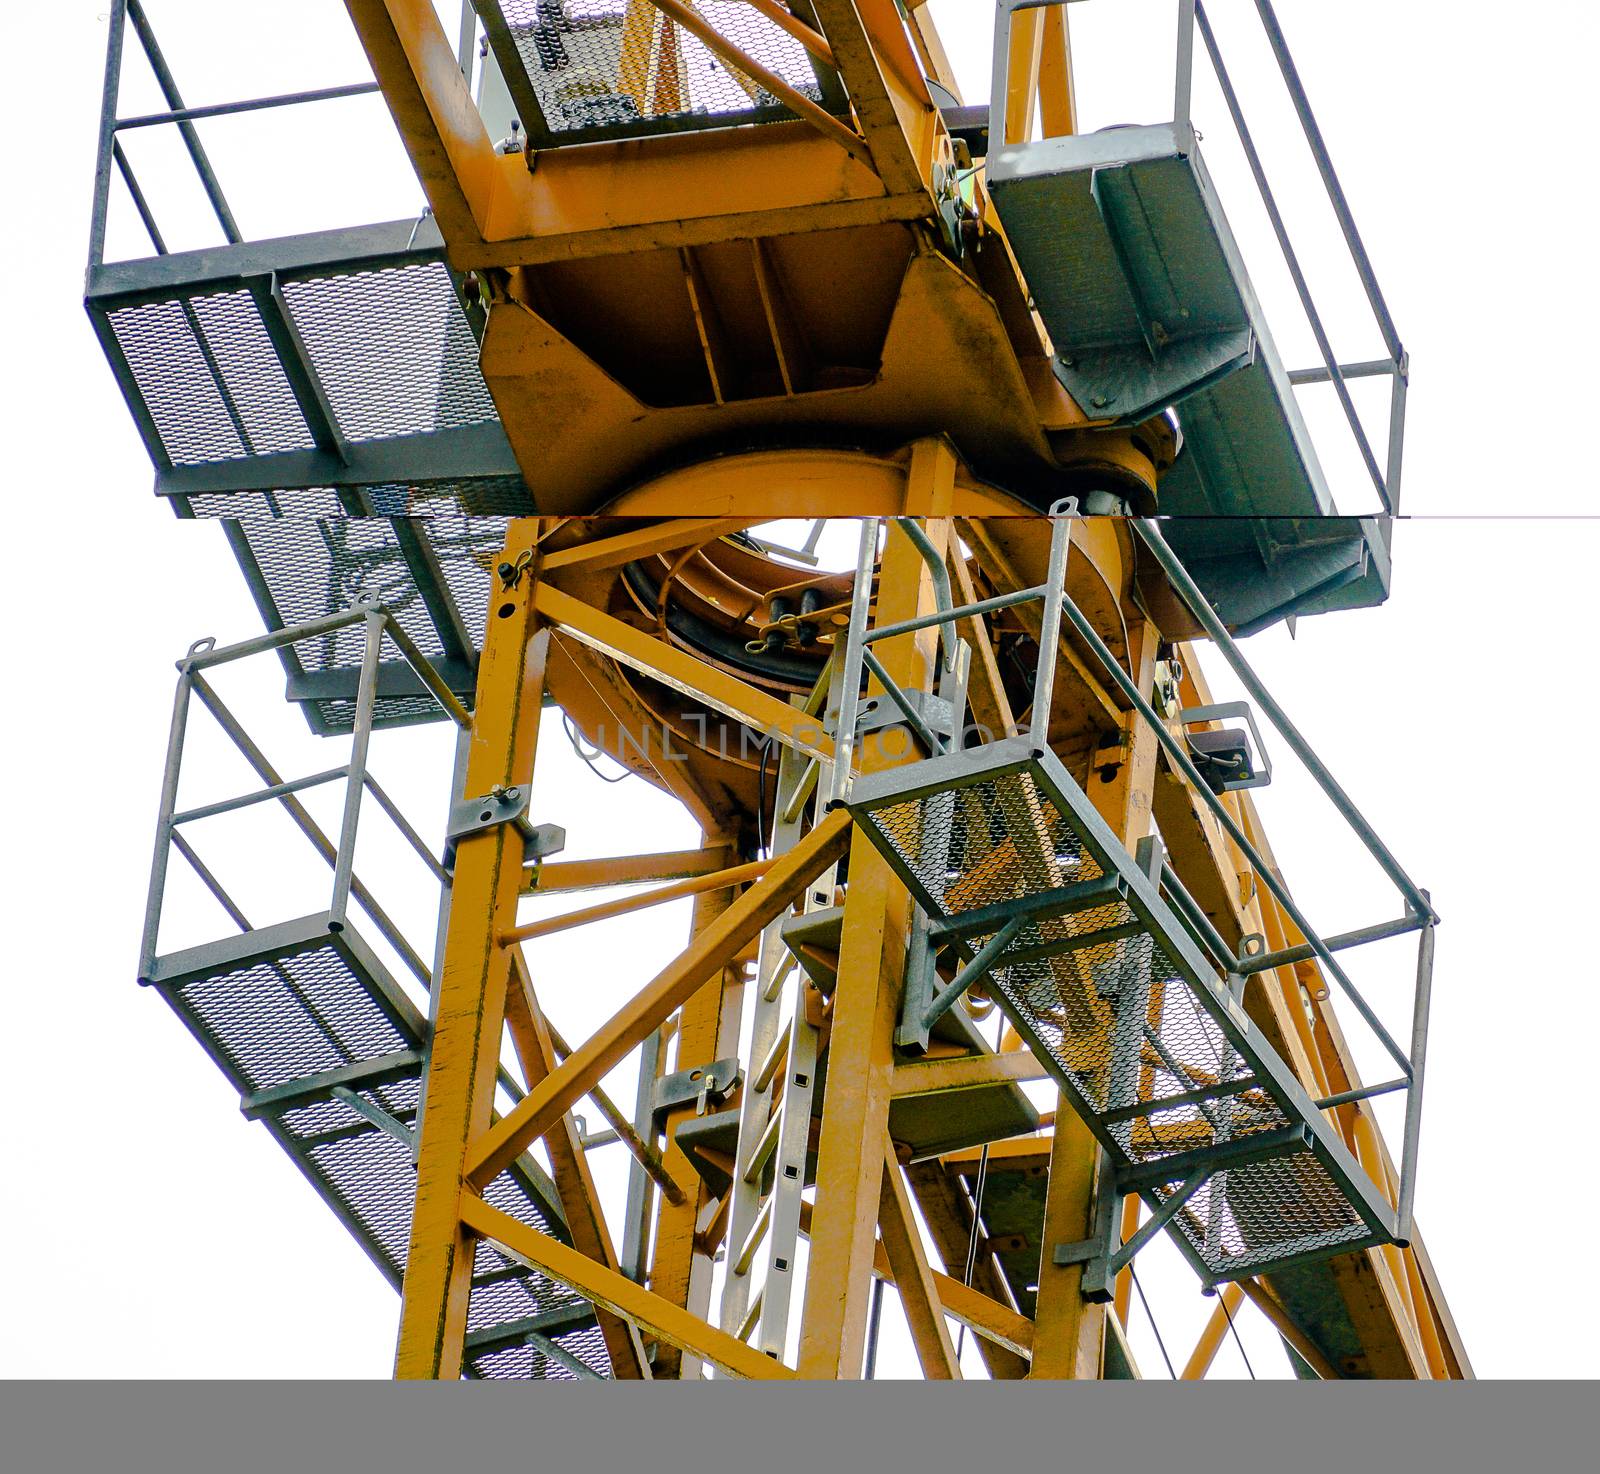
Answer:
(293, 1013)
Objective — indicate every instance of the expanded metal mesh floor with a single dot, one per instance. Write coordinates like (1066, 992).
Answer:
(598, 69)
(432, 573)
(312, 375)
(289, 1017)
(1112, 998)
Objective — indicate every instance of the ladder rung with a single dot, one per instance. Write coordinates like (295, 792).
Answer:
(752, 1242)
(763, 1148)
(780, 975)
(752, 1315)
(769, 1066)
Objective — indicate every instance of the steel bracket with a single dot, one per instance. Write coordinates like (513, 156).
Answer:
(1094, 1253)
(501, 805)
(879, 713)
(703, 1086)
(921, 982)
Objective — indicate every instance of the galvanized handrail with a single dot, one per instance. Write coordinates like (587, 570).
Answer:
(1191, 14)
(178, 114)
(1058, 604)
(205, 655)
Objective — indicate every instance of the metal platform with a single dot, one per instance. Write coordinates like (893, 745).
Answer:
(1134, 269)
(585, 71)
(431, 573)
(327, 1052)
(306, 1020)
(1113, 993)
(1136, 273)
(925, 1125)
(313, 375)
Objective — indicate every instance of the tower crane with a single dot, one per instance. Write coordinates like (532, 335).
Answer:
(992, 979)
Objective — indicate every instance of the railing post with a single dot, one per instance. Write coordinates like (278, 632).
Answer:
(169, 800)
(355, 781)
(844, 737)
(1055, 582)
(108, 132)
(1421, 1005)
(1183, 87)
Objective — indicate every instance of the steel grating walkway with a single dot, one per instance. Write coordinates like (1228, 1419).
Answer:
(1115, 997)
(327, 1052)
(312, 375)
(586, 71)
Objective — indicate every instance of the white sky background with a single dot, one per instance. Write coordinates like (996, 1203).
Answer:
(145, 1229)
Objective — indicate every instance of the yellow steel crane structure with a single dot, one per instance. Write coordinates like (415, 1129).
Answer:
(690, 267)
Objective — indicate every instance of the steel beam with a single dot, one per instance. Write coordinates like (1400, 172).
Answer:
(919, 1295)
(669, 1323)
(680, 1269)
(867, 1000)
(682, 671)
(470, 991)
(1069, 1331)
(667, 992)
(569, 1163)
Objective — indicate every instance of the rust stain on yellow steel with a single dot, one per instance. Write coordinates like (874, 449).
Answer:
(617, 1293)
(664, 995)
(471, 989)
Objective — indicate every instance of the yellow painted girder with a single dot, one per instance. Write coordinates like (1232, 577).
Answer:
(569, 1163)
(716, 688)
(769, 897)
(470, 990)
(563, 876)
(618, 1294)
(919, 1295)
